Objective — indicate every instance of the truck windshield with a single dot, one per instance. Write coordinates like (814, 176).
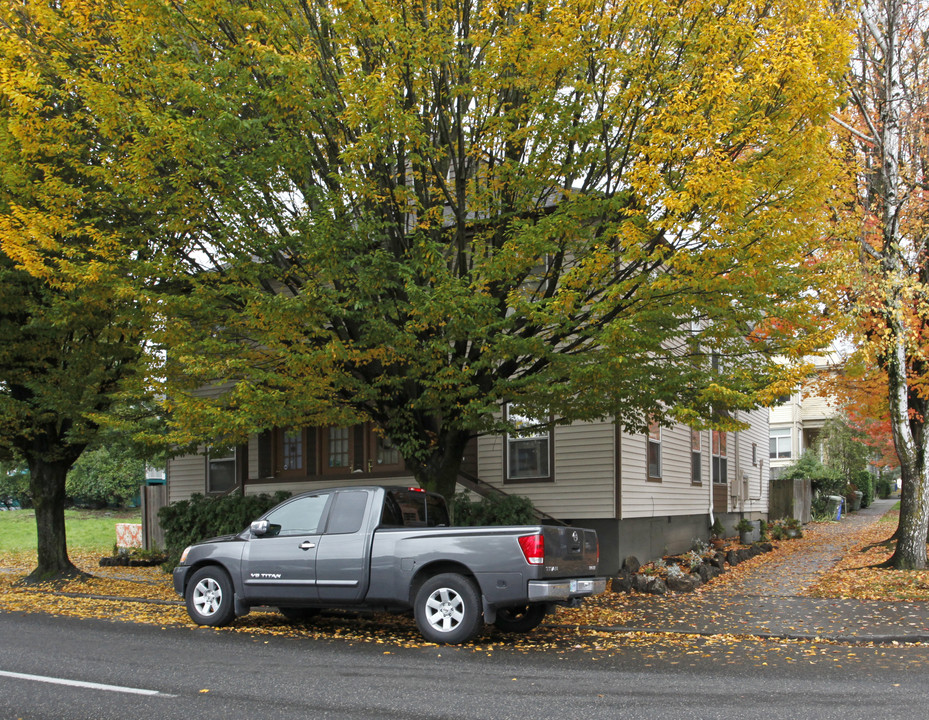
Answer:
(409, 508)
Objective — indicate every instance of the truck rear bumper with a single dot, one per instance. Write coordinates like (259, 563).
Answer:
(563, 590)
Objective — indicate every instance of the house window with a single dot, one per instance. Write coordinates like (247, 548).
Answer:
(292, 450)
(720, 461)
(696, 457)
(337, 455)
(314, 452)
(779, 443)
(528, 454)
(383, 455)
(220, 473)
(654, 451)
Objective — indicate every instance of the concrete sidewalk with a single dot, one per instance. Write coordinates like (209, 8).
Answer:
(766, 600)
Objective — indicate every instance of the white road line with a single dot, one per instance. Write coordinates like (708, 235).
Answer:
(82, 684)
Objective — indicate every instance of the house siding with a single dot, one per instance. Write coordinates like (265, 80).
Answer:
(584, 472)
(674, 494)
(600, 481)
(185, 475)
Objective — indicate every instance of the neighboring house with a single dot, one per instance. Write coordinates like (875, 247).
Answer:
(646, 495)
(795, 424)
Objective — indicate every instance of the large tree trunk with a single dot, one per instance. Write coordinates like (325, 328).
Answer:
(907, 409)
(910, 553)
(439, 472)
(47, 483)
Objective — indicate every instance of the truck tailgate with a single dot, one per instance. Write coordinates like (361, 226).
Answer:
(569, 552)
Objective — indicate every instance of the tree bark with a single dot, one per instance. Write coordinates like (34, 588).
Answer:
(907, 410)
(47, 483)
(439, 472)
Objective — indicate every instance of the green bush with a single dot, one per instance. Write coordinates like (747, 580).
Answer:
(190, 521)
(864, 481)
(14, 483)
(104, 477)
(883, 488)
(493, 510)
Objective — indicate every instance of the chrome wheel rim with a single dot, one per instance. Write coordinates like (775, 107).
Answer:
(207, 597)
(445, 609)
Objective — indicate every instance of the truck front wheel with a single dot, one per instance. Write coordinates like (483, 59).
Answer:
(520, 619)
(448, 609)
(209, 597)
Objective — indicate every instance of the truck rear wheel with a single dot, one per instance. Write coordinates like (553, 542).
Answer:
(448, 609)
(520, 619)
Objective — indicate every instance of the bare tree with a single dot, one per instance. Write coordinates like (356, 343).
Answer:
(886, 128)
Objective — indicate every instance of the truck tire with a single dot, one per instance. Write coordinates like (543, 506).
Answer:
(448, 609)
(520, 619)
(210, 597)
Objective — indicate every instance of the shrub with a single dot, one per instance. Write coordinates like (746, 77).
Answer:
(14, 483)
(744, 526)
(777, 531)
(190, 521)
(105, 476)
(493, 510)
(865, 482)
(883, 488)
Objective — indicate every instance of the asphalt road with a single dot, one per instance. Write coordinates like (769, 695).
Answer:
(68, 669)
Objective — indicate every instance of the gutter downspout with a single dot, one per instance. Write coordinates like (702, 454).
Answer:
(710, 476)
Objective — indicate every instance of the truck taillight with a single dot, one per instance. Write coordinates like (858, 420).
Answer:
(533, 547)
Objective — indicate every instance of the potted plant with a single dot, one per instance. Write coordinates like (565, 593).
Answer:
(746, 530)
(793, 528)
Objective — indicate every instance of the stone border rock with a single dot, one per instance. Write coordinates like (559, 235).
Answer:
(629, 579)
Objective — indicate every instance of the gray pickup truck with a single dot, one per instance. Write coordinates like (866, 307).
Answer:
(389, 548)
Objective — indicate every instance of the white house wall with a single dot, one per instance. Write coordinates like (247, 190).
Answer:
(754, 499)
(186, 475)
(584, 470)
(675, 494)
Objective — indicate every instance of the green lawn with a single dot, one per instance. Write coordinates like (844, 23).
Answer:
(92, 530)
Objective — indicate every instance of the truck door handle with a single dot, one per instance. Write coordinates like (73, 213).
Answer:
(307, 545)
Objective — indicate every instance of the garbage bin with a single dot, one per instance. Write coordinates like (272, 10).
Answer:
(834, 506)
(853, 502)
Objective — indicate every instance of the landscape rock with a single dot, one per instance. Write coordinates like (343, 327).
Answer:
(683, 583)
(640, 583)
(622, 582)
(656, 586)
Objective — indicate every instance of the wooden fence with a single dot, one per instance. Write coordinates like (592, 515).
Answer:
(790, 499)
(154, 497)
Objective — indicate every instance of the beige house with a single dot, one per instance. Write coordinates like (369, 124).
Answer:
(796, 423)
(646, 495)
